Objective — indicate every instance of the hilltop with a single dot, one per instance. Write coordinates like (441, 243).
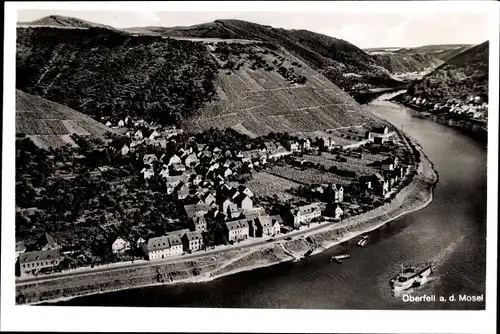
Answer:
(461, 77)
(343, 63)
(417, 59)
(63, 22)
(48, 123)
(254, 87)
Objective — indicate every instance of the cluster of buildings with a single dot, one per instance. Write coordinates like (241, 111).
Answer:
(381, 183)
(474, 107)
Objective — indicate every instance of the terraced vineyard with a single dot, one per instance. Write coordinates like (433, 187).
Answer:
(255, 98)
(50, 124)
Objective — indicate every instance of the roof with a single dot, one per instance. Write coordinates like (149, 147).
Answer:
(50, 254)
(199, 220)
(158, 243)
(237, 224)
(241, 197)
(265, 221)
(191, 209)
(276, 218)
(304, 209)
(20, 246)
(120, 237)
(389, 160)
(176, 178)
(378, 177)
(195, 235)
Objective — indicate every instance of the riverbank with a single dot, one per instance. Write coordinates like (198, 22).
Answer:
(476, 128)
(415, 196)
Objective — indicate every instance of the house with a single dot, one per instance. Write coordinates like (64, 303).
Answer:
(302, 214)
(334, 210)
(108, 124)
(244, 190)
(227, 172)
(232, 211)
(20, 248)
(198, 223)
(389, 163)
(264, 226)
(139, 242)
(34, 261)
(193, 241)
(196, 210)
(178, 167)
(164, 172)
(125, 150)
(327, 143)
(225, 205)
(47, 242)
(294, 146)
(174, 159)
(121, 123)
(191, 160)
(182, 192)
(237, 230)
(268, 146)
(208, 198)
(173, 181)
(158, 248)
(148, 173)
(244, 202)
(175, 240)
(138, 135)
(304, 143)
(334, 192)
(120, 246)
(148, 159)
(155, 134)
(380, 184)
(279, 152)
(197, 179)
(276, 223)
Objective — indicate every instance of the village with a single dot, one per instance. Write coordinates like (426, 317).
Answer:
(208, 183)
(473, 108)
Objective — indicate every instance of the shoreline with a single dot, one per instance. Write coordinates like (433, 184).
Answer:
(415, 196)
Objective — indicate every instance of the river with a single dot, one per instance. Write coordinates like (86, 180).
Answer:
(451, 232)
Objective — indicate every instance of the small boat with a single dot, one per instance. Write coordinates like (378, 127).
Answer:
(339, 258)
(409, 277)
(363, 241)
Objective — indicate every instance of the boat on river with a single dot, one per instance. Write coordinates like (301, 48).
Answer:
(363, 241)
(339, 258)
(413, 276)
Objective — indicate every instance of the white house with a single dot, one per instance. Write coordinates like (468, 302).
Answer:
(155, 134)
(302, 214)
(148, 159)
(121, 123)
(174, 160)
(338, 212)
(138, 135)
(120, 245)
(125, 150)
(148, 173)
(108, 124)
(158, 248)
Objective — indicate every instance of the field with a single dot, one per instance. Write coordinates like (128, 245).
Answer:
(307, 176)
(264, 184)
(257, 100)
(359, 166)
(50, 124)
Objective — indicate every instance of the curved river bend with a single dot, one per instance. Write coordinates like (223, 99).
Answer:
(451, 232)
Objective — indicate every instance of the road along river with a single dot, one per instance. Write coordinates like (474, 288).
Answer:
(451, 232)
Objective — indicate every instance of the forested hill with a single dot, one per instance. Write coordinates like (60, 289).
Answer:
(64, 22)
(463, 76)
(100, 72)
(343, 63)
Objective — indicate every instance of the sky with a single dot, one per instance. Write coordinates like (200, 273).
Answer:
(364, 30)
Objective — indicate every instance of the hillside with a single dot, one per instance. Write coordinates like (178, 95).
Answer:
(340, 61)
(417, 59)
(105, 73)
(51, 124)
(262, 88)
(63, 22)
(463, 76)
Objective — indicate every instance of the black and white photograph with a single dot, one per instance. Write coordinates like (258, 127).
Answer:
(214, 163)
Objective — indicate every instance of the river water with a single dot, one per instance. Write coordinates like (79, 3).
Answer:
(451, 232)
